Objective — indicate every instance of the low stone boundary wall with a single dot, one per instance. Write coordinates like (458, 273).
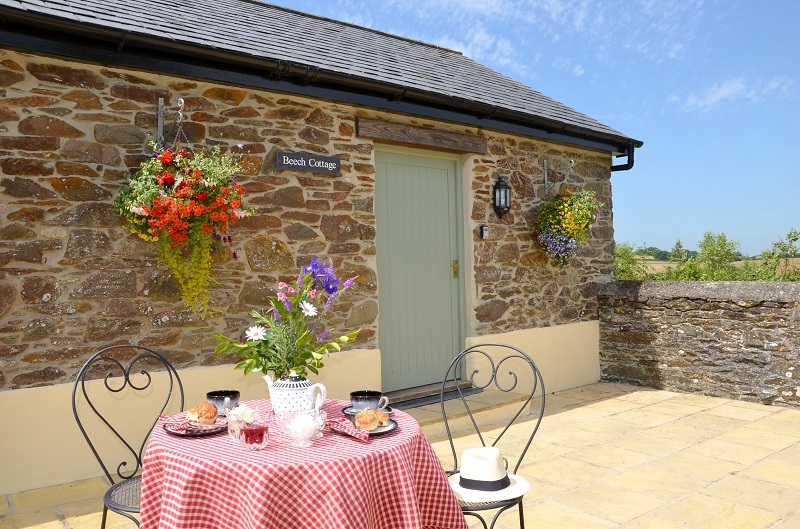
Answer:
(739, 340)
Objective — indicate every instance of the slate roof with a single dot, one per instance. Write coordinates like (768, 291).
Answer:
(248, 29)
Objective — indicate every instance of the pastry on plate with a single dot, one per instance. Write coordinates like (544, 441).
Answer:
(203, 413)
(371, 419)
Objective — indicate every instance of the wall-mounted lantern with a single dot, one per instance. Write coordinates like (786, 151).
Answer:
(502, 197)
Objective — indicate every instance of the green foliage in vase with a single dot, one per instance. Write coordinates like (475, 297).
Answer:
(292, 335)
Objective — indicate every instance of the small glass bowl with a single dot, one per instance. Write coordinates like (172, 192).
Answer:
(304, 425)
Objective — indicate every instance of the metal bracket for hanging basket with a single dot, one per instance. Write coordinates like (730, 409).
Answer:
(161, 115)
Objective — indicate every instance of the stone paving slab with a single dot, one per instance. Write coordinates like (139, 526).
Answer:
(606, 456)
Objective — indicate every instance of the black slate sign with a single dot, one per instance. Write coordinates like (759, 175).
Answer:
(308, 162)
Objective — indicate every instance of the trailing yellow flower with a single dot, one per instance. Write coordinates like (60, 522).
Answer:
(185, 201)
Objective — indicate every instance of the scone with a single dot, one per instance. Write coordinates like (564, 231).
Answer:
(371, 419)
(203, 413)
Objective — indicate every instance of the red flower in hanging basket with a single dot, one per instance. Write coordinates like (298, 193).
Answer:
(183, 200)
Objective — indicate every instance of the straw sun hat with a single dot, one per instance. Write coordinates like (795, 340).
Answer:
(483, 478)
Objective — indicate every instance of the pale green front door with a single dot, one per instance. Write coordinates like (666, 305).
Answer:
(419, 299)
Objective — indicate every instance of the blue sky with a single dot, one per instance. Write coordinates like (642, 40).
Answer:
(712, 87)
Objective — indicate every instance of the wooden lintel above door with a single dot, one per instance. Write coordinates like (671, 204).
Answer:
(415, 136)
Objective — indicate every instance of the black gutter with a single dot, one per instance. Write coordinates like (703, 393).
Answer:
(23, 30)
(627, 165)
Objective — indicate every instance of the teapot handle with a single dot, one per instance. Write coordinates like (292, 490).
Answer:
(318, 392)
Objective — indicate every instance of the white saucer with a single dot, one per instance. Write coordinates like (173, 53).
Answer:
(350, 411)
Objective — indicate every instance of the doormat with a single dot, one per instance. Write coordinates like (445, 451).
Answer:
(433, 399)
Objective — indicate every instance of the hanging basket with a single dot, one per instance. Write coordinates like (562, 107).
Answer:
(185, 201)
(563, 222)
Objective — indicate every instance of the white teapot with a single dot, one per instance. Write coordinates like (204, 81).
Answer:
(294, 393)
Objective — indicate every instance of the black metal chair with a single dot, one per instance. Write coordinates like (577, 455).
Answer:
(508, 369)
(128, 372)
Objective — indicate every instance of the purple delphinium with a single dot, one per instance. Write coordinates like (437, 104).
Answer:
(560, 247)
(322, 276)
(329, 302)
(331, 284)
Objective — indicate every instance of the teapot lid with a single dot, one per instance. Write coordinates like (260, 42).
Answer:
(293, 381)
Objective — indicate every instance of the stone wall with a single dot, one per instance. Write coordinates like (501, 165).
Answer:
(738, 340)
(73, 280)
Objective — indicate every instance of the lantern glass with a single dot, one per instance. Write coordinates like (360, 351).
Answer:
(502, 197)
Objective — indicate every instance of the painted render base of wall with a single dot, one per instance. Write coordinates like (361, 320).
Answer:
(43, 446)
(567, 355)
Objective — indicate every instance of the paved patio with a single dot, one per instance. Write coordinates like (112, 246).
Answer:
(606, 456)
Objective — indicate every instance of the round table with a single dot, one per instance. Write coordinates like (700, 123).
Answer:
(393, 480)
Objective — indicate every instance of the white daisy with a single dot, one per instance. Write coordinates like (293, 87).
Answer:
(255, 333)
(308, 308)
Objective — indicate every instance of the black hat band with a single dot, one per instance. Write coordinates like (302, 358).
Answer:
(477, 484)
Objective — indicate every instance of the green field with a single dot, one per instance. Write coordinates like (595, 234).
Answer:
(654, 266)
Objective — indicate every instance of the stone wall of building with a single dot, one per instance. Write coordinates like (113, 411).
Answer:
(516, 286)
(73, 280)
(739, 340)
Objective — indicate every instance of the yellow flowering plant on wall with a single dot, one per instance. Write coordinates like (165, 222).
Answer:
(564, 221)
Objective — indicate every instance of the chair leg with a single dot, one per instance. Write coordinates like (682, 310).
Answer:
(521, 517)
(105, 514)
(478, 516)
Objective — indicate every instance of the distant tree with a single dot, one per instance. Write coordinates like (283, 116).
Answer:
(788, 250)
(626, 263)
(715, 261)
(688, 270)
(716, 257)
(678, 254)
(776, 264)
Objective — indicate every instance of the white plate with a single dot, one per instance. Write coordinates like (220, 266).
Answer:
(221, 421)
(384, 429)
(350, 411)
(199, 430)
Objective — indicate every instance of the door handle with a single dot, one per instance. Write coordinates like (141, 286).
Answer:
(456, 267)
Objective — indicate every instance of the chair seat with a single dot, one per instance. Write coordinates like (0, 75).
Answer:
(486, 504)
(125, 495)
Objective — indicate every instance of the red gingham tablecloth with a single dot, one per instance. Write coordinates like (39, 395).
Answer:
(391, 481)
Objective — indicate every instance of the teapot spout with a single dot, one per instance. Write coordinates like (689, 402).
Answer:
(268, 380)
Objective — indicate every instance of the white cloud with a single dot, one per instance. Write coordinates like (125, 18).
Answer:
(568, 65)
(738, 88)
(716, 94)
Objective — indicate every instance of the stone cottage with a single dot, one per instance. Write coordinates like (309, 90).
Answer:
(418, 136)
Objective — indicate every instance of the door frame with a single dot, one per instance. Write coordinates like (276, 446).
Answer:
(460, 229)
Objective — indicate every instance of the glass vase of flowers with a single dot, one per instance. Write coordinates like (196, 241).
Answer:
(563, 222)
(290, 338)
(184, 201)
